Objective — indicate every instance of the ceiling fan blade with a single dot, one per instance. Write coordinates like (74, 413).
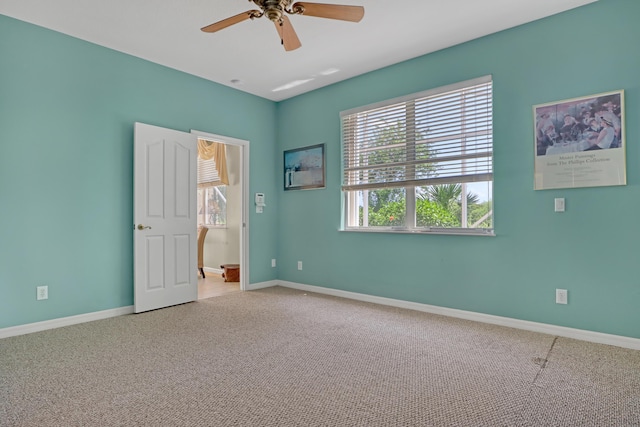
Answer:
(331, 11)
(288, 35)
(217, 26)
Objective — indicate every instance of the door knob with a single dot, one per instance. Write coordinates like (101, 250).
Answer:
(142, 227)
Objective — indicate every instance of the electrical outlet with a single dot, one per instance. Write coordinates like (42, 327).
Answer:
(273, 262)
(42, 292)
(562, 296)
(299, 265)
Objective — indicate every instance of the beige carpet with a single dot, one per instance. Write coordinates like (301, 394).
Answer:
(280, 357)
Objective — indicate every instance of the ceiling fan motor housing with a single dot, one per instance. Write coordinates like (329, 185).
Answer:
(273, 9)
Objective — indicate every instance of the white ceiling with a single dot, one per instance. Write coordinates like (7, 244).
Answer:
(248, 56)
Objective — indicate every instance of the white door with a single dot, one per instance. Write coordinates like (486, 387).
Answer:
(164, 212)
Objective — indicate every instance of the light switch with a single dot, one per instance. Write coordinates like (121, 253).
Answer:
(559, 204)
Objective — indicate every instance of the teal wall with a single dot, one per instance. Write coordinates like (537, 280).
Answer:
(592, 249)
(66, 222)
(67, 110)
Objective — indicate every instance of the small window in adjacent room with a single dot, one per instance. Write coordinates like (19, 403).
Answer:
(212, 206)
(421, 163)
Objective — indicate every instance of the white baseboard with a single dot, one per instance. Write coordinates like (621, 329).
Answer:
(579, 334)
(213, 270)
(63, 321)
(28, 328)
(262, 285)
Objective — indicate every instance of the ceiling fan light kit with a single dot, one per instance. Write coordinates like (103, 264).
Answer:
(277, 10)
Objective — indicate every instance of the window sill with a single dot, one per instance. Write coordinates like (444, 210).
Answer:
(439, 231)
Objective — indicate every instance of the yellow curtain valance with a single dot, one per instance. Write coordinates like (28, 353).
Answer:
(208, 150)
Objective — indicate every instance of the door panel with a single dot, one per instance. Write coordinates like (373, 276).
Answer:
(165, 218)
(154, 161)
(154, 262)
(183, 268)
(182, 192)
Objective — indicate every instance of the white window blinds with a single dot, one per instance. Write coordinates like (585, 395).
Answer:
(435, 137)
(207, 173)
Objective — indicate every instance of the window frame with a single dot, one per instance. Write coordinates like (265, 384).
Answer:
(202, 202)
(355, 193)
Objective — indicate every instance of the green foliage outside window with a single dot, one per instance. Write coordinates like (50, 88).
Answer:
(436, 206)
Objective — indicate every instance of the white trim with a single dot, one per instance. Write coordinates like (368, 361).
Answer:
(29, 328)
(427, 230)
(579, 334)
(262, 285)
(213, 270)
(63, 321)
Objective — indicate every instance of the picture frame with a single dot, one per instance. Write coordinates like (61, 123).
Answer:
(304, 168)
(580, 142)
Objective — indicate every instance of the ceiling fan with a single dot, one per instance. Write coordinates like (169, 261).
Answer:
(276, 11)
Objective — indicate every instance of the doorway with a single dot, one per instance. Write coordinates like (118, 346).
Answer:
(226, 241)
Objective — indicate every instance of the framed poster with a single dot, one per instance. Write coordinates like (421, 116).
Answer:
(304, 168)
(580, 142)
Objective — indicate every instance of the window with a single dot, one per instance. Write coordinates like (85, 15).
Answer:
(212, 206)
(421, 163)
(212, 196)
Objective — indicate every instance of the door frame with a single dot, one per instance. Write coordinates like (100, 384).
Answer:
(244, 176)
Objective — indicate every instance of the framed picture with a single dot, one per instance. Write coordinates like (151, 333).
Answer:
(580, 142)
(304, 168)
